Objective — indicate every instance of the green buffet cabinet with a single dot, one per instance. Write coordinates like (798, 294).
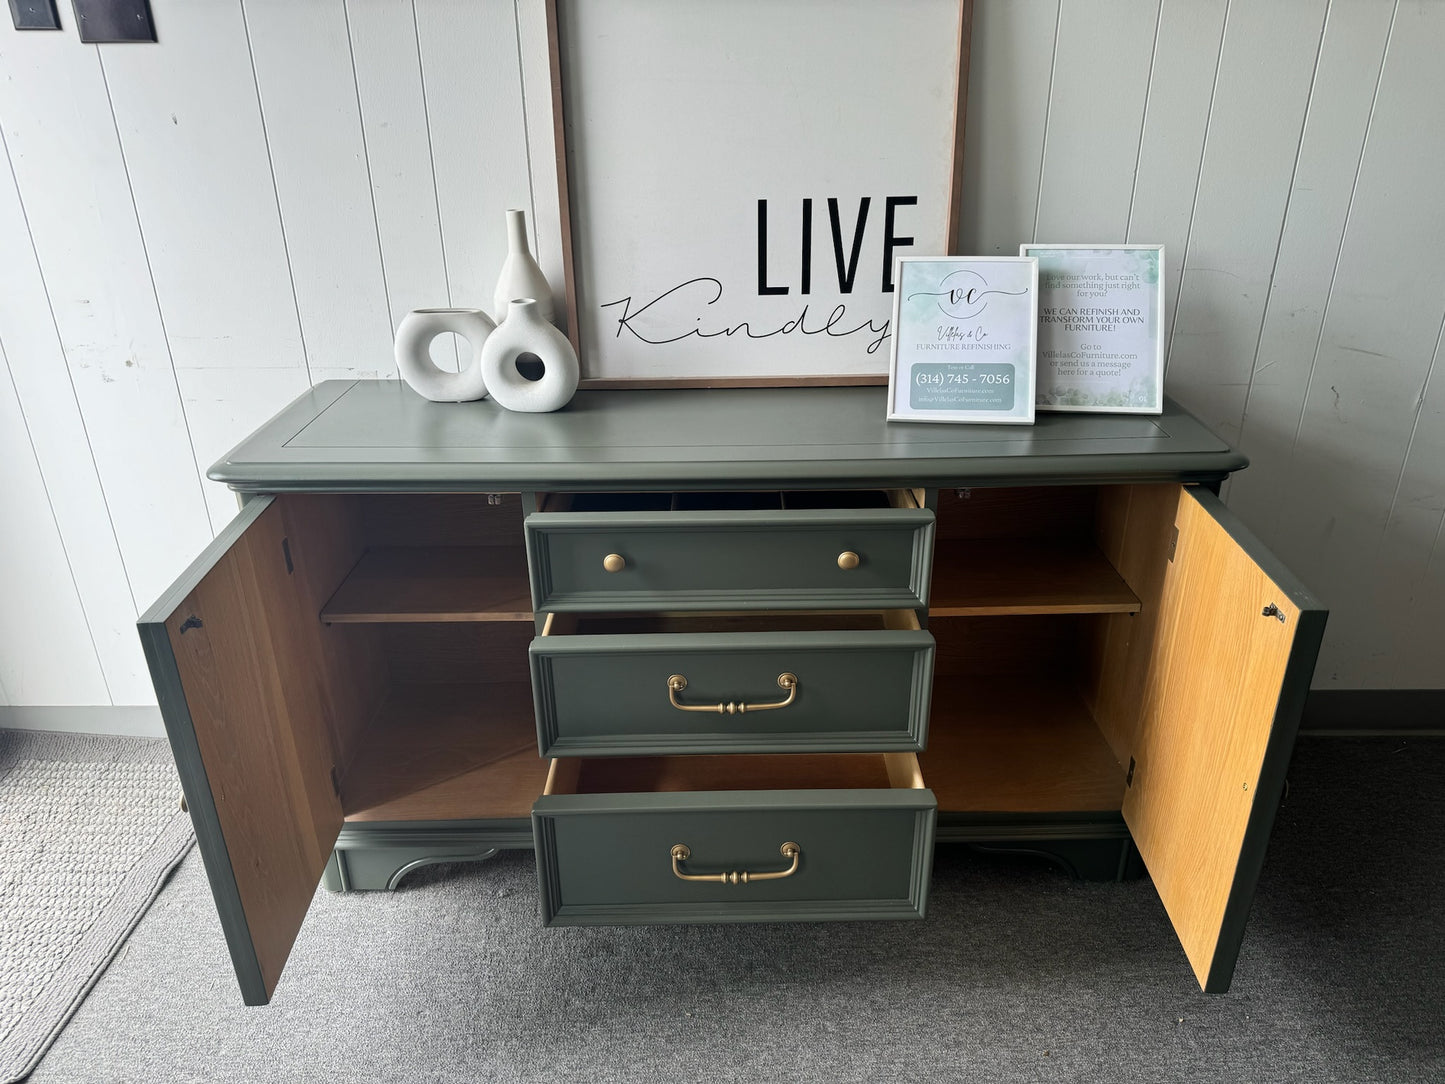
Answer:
(726, 655)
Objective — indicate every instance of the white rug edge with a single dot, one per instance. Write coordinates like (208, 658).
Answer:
(70, 984)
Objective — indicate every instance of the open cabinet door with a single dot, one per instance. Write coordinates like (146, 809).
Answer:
(1230, 666)
(234, 658)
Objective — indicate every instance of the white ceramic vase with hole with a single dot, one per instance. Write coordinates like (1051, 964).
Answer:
(521, 277)
(413, 353)
(524, 332)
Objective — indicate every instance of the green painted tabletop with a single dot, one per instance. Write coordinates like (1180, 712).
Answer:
(380, 435)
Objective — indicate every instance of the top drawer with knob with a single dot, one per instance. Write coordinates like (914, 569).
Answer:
(730, 551)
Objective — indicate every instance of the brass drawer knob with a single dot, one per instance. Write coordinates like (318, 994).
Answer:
(681, 853)
(847, 560)
(614, 562)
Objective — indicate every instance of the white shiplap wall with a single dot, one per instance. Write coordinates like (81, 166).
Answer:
(192, 232)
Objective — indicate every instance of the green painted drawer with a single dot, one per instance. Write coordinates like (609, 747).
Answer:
(729, 559)
(605, 858)
(608, 690)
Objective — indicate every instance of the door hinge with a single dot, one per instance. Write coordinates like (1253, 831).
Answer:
(1173, 541)
(1129, 775)
(335, 781)
(1272, 611)
(286, 553)
(192, 622)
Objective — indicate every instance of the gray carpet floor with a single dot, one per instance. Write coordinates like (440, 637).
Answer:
(1018, 973)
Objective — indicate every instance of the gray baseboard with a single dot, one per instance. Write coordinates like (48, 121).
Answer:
(138, 721)
(1374, 712)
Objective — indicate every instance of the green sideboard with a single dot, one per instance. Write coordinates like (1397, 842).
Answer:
(726, 655)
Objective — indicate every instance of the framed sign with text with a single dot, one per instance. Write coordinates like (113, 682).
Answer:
(738, 179)
(965, 330)
(1101, 309)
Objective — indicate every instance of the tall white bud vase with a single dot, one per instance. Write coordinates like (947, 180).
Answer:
(521, 277)
(522, 333)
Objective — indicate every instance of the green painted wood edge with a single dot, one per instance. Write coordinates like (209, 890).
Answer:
(551, 742)
(710, 520)
(509, 833)
(396, 847)
(317, 476)
(195, 784)
(382, 869)
(285, 424)
(1267, 795)
(628, 745)
(197, 789)
(1082, 859)
(1023, 828)
(914, 906)
(748, 599)
(733, 801)
(196, 571)
(266, 462)
(538, 526)
(1257, 551)
(549, 876)
(1289, 708)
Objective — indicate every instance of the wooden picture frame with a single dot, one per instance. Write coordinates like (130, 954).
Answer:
(817, 343)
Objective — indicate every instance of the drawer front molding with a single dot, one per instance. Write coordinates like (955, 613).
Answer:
(857, 691)
(607, 859)
(729, 560)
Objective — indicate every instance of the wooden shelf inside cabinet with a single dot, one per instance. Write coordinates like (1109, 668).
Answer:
(1019, 751)
(434, 583)
(983, 577)
(447, 752)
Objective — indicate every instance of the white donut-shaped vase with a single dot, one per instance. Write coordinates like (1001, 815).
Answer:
(413, 342)
(525, 332)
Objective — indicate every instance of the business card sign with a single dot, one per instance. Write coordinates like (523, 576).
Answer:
(965, 330)
(1101, 348)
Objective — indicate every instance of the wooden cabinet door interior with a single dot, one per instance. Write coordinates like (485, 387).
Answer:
(1229, 660)
(260, 701)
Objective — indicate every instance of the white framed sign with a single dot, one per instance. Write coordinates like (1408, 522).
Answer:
(965, 331)
(1101, 347)
(737, 179)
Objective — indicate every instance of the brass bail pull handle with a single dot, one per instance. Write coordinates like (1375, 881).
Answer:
(681, 853)
(676, 683)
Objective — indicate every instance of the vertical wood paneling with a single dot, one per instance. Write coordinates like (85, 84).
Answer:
(1412, 597)
(73, 182)
(1262, 89)
(1351, 56)
(62, 449)
(1008, 105)
(473, 85)
(1171, 148)
(263, 195)
(541, 128)
(398, 147)
(1381, 331)
(190, 124)
(302, 57)
(1096, 111)
(46, 656)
